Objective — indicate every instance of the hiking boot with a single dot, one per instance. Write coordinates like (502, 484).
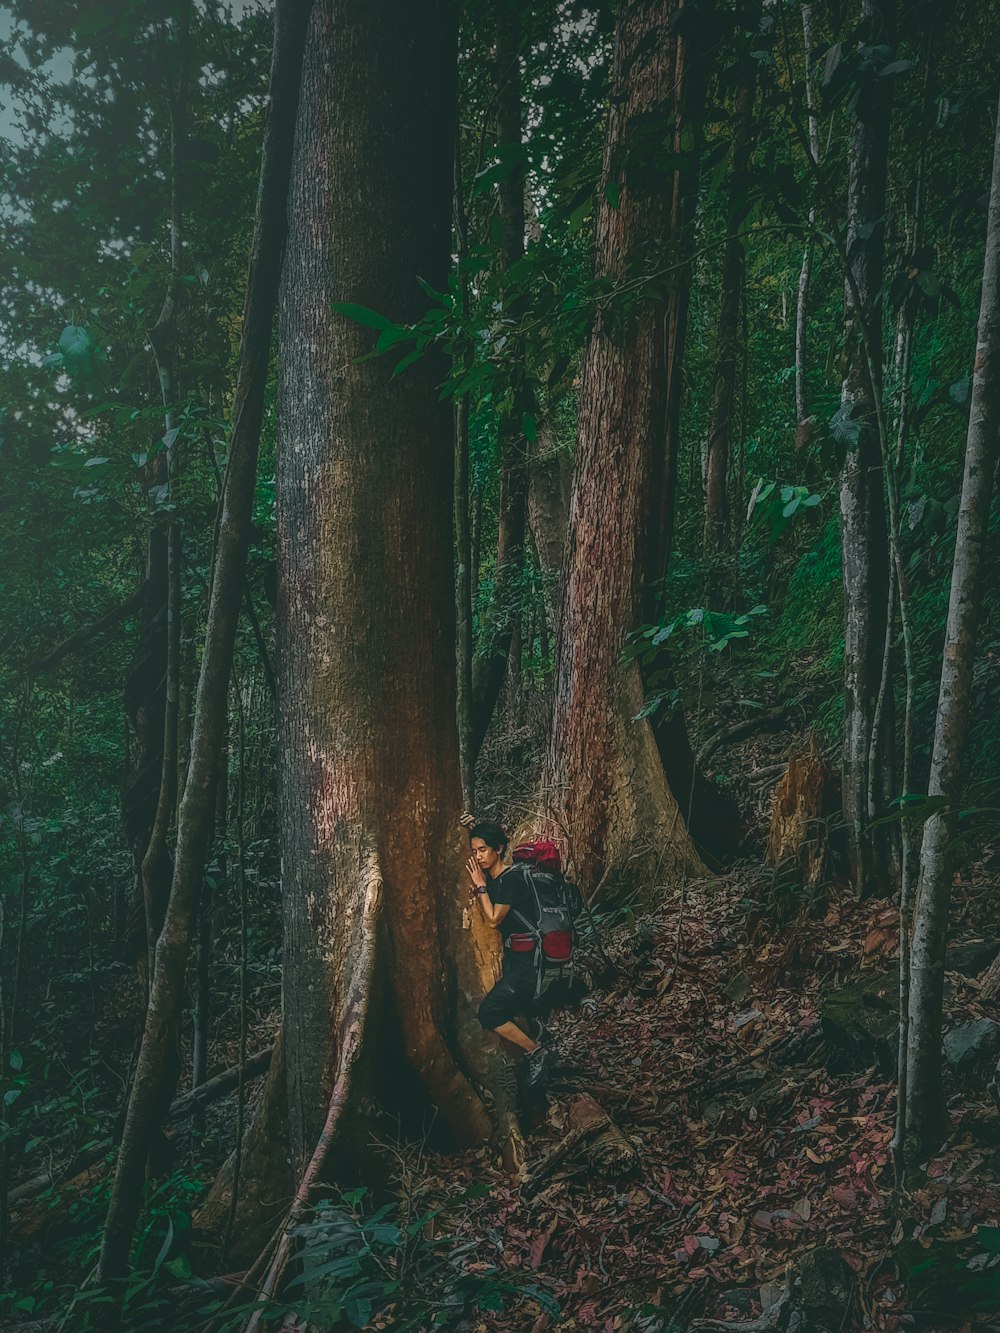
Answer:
(538, 1065)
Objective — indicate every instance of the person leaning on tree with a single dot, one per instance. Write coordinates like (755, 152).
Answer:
(509, 904)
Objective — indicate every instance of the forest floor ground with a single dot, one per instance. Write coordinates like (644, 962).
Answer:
(763, 1130)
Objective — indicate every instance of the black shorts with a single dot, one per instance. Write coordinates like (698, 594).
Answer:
(513, 996)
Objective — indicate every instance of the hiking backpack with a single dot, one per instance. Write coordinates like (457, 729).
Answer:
(552, 936)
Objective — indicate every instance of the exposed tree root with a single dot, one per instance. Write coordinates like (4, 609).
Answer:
(352, 1032)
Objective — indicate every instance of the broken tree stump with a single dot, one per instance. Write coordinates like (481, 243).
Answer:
(798, 838)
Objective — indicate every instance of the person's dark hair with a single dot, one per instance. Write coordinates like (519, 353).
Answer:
(492, 834)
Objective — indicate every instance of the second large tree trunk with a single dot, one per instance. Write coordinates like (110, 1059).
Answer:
(605, 783)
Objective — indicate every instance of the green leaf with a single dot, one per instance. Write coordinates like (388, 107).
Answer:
(179, 1267)
(16, 1061)
(371, 319)
(407, 361)
(530, 427)
(358, 1310)
(389, 337)
(613, 193)
(168, 1240)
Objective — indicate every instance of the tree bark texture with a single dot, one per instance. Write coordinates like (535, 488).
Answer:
(864, 536)
(722, 422)
(157, 1068)
(604, 783)
(370, 796)
(925, 1109)
(496, 652)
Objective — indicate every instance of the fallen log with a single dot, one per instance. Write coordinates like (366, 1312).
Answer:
(610, 1152)
(604, 1146)
(217, 1086)
(772, 720)
(180, 1109)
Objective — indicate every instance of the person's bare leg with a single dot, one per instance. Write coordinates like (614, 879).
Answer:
(511, 1032)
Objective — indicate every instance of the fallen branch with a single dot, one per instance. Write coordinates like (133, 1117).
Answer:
(769, 721)
(82, 637)
(180, 1108)
(534, 1180)
(214, 1088)
(607, 1151)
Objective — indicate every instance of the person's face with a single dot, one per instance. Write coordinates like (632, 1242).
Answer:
(484, 854)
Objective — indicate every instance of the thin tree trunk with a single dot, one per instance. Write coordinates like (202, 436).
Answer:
(549, 481)
(145, 701)
(862, 500)
(722, 412)
(925, 1109)
(909, 838)
(157, 1068)
(604, 783)
(496, 655)
(476, 540)
(802, 302)
(690, 89)
(162, 339)
(211, 890)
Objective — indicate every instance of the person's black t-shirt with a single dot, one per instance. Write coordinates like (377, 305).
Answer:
(512, 887)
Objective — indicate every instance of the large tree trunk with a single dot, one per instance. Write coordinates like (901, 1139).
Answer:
(496, 654)
(925, 1110)
(862, 503)
(157, 1068)
(378, 980)
(604, 779)
(722, 412)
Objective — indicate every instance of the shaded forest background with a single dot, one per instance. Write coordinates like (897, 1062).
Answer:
(630, 467)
